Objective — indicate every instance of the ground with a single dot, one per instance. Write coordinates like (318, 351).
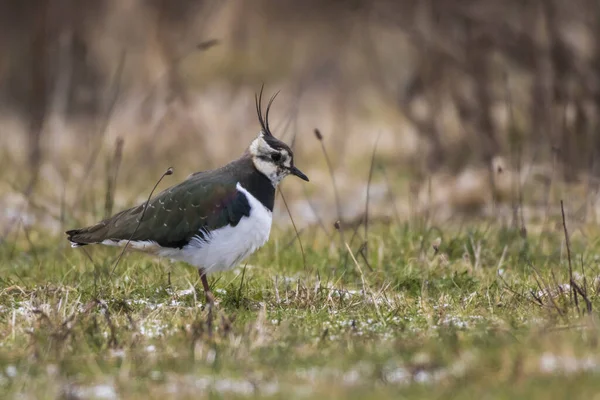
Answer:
(472, 311)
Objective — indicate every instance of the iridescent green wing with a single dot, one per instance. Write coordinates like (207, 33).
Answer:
(201, 204)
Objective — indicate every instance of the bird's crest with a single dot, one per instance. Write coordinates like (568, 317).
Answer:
(264, 121)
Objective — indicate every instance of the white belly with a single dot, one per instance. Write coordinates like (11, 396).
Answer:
(228, 246)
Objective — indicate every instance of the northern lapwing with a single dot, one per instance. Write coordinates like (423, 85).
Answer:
(212, 220)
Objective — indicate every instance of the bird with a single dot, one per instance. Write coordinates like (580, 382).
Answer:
(212, 220)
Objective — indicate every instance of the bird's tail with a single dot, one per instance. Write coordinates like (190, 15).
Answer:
(89, 235)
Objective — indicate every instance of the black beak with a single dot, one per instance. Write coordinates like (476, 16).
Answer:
(298, 173)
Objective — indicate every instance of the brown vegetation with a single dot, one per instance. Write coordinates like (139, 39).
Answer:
(446, 84)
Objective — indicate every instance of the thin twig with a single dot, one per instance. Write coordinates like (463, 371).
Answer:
(545, 289)
(338, 204)
(571, 280)
(364, 283)
(508, 287)
(239, 293)
(89, 257)
(169, 171)
(585, 288)
(293, 240)
(295, 228)
(368, 195)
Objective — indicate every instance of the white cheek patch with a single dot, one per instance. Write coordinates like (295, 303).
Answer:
(254, 146)
(265, 167)
(260, 147)
(261, 157)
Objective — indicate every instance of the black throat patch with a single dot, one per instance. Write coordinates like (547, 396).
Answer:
(259, 186)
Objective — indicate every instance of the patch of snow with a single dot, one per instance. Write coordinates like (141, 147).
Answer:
(186, 292)
(102, 391)
(398, 375)
(551, 363)
(223, 386)
(11, 371)
(118, 353)
(152, 328)
(423, 377)
(461, 322)
(553, 292)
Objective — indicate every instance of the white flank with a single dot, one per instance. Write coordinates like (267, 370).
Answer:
(228, 246)
(143, 245)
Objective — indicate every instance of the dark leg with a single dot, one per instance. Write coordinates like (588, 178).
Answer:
(210, 299)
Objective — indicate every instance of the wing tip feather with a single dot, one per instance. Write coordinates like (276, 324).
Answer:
(71, 238)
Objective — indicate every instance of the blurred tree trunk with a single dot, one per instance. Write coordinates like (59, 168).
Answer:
(572, 141)
(478, 54)
(595, 120)
(38, 90)
(543, 79)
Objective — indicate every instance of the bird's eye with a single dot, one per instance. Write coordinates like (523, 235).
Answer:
(276, 157)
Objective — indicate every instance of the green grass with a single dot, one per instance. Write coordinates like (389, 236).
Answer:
(463, 322)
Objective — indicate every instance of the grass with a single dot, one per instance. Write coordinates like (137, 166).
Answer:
(464, 310)
(486, 315)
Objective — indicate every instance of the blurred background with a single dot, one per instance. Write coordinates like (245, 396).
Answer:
(438, 109)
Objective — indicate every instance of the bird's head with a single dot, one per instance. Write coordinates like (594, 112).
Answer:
(271, 156)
